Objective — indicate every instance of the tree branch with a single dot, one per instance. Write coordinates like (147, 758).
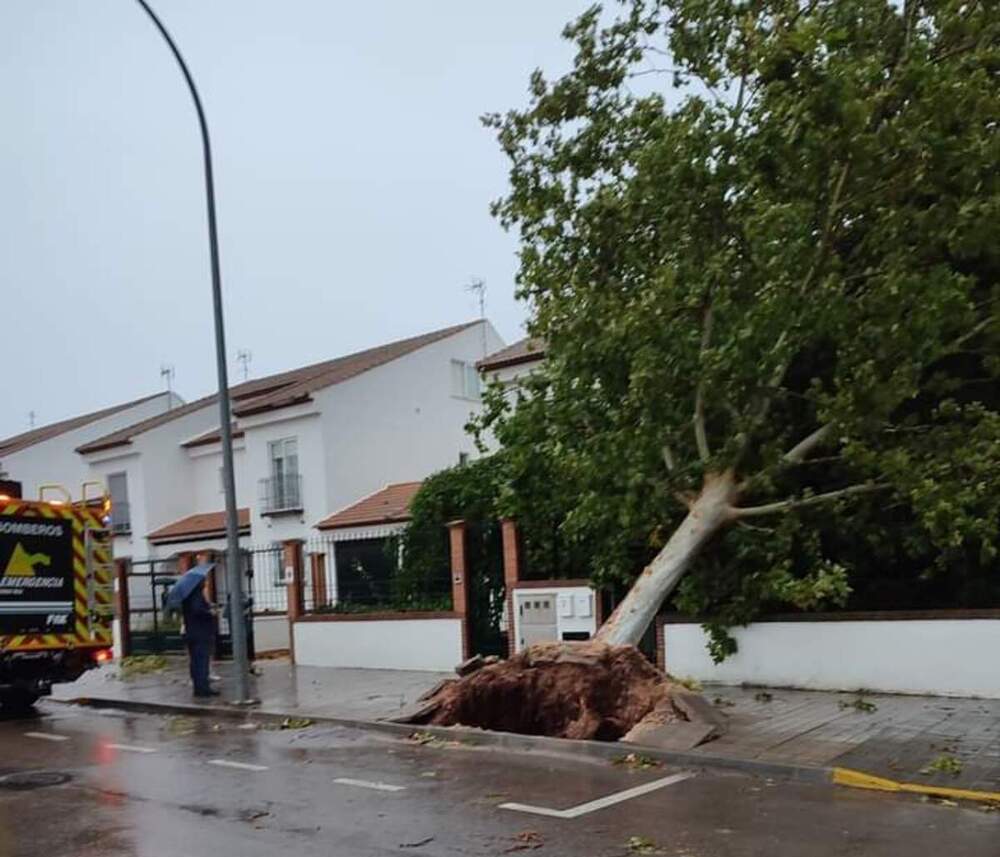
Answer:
(669, 461)
(798, 503)
(700, 435)
(971, 333)
(801, 450)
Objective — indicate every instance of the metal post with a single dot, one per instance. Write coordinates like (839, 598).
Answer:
(237, 629)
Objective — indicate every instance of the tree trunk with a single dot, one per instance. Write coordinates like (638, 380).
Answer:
(707, 515)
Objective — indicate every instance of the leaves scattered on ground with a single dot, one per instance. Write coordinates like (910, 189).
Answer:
(642, 845)
(526, 840)
(859, 704)
(429, 739)
(136, 665)
(943, 764)
(690, 682)
(763, 696)
(722, 702)
(182, 725)
(635, 762)
(490, 799)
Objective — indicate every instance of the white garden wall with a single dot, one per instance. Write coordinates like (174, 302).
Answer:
(949, 657)
(270, 633)
(400, 644)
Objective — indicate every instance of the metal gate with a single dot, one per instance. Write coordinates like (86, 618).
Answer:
(486, 590)
(151, 630)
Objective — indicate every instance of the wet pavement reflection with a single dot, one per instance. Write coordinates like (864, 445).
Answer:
(150, 785)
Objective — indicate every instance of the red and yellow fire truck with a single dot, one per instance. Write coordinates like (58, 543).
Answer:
(56, 589)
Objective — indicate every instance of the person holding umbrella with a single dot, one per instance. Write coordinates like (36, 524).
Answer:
(187, 596)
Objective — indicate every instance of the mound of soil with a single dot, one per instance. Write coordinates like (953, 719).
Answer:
(565, 690)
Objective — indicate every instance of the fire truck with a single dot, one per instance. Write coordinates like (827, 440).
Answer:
(56, 589)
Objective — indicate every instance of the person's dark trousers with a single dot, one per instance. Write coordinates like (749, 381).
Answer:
(200, 655)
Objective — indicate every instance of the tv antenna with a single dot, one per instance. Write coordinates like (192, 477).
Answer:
(167, 373)
(477, 287)
(243, 357)
(31, 419)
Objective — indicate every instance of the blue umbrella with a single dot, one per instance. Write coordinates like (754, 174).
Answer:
(188, 582)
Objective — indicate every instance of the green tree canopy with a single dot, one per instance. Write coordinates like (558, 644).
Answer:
(760, 240)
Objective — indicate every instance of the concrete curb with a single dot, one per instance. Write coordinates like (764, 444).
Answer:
(595, 751)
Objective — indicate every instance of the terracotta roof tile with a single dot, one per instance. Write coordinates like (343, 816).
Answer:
(210, 437)
(285, 388)
(390, 505)
(525, 350)
(200, 526)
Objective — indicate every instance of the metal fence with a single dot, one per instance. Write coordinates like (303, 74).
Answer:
(270, 586)
(367, 575)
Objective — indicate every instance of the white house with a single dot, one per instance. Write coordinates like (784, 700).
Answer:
(511, 364)
(307, 442)
(47, 455)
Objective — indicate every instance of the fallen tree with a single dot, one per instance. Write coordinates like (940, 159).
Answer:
(753, 237)
(758, 239)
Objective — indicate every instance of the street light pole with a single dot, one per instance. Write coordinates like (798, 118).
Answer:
(237, 628)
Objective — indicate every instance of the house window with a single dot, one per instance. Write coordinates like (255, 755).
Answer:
(121, 521)
(281, 491)
(464, 380)
(284, 455)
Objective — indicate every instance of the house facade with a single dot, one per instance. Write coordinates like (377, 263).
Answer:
(512, 364)
(47, 455)
(306, 443)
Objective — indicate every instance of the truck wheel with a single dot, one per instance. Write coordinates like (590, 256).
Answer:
(18, 701)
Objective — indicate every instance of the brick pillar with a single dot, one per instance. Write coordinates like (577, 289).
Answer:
(511, 574)
(122, 605)
(459, 580)
(317, 567)
(291, 559)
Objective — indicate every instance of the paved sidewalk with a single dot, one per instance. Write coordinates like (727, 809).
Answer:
(888, 735)
(351, 694)
(891, 736)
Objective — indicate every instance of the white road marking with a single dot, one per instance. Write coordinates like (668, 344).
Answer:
(367, 784)
(46, 736)
(129, 748)
(241, 766)
(600, 803)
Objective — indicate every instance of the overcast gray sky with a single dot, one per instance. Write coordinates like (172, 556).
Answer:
(353, 179)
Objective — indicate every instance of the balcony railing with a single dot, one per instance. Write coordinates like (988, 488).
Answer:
(280, 494)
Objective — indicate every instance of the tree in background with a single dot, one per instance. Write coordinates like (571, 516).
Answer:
(760, 242)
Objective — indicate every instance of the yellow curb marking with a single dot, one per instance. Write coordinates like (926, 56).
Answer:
(861, 780)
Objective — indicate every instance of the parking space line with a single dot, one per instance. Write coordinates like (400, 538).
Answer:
(129, 748)
(241, 766)
(600, 803)
(367, 784)
(46, 736)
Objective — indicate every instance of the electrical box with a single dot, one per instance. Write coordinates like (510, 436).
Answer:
(552, 614)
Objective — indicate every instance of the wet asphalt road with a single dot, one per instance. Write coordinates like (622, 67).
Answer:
(148, 785)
